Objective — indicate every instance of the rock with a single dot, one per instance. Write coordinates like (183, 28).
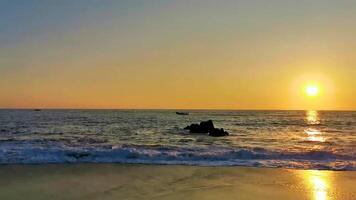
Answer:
(194, 128)
(218, 132)
(203, 127)
(206, 127)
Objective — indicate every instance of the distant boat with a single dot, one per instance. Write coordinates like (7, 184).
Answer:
(182, 113)
(37, 110)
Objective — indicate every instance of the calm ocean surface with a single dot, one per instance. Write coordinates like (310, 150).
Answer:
(289, 139)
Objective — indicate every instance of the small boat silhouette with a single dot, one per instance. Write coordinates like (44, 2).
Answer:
(182, 113)
(37, 110)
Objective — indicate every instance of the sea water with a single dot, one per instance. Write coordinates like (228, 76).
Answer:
(288, 139)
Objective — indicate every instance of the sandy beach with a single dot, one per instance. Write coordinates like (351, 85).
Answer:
(105, 181)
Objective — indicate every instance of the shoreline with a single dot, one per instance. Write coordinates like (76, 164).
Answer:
(163, 164)
(141, 181)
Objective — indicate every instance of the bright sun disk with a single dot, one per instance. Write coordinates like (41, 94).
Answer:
(312, 90)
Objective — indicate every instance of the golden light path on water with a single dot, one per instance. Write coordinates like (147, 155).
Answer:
(313, 134)
(312, 117)
(318, 182)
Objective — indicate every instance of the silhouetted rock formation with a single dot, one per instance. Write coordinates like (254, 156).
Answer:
(206, 127)
(218, 132)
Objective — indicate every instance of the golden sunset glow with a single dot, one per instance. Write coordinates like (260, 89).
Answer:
(312, 90)
(111, 57)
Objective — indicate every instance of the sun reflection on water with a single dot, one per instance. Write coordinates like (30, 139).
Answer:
(312, 117)
(318, 182)
(313, 134)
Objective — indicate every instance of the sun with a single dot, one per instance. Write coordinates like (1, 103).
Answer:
(312, 90)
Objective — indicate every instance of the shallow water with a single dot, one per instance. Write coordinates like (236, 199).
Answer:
(290, 139)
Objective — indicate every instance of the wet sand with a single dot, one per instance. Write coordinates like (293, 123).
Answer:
(105, 181)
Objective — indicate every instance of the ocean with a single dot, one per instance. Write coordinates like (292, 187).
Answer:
(284, 139)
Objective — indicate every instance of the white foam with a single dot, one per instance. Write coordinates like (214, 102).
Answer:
(27, 153)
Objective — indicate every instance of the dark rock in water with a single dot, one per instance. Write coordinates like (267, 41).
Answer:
(206, 127)
(37, 110)
(203, 127)
(218, 132)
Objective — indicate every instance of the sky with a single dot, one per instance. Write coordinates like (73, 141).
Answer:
(182, 54)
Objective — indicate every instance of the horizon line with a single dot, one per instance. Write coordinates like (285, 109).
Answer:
(193, 109)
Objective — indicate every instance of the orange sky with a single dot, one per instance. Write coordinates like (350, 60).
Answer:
(178, 54)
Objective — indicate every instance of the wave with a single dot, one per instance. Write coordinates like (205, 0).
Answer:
(28, 153)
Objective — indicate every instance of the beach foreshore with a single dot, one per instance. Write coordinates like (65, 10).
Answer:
(122, 181)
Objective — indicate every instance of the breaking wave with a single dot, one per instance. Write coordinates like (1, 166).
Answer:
(26, 153)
